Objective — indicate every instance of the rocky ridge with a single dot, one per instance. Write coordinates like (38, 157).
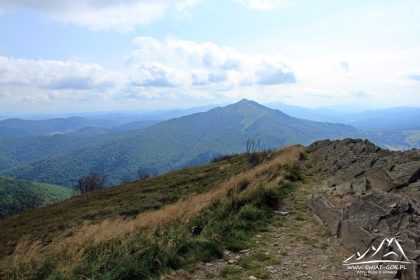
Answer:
(368, 194)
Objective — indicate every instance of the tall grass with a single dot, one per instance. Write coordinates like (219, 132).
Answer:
(157, 242)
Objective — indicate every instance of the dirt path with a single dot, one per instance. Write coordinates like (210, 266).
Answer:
(295, 246)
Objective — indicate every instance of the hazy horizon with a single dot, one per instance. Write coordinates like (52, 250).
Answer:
(38, 115)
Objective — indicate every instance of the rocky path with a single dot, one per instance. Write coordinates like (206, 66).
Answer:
(295, 246)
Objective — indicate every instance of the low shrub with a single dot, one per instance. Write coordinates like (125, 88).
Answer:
(251, 213)
(219, 158)
(294, 173)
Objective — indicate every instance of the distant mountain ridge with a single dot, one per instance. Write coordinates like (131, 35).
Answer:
(21, 127)
(394, 128)
(183, 141)
(389, 119)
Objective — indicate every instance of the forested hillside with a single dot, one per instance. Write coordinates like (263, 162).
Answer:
(15, 151)
(181, 142)
(20, 127)
(18, 195)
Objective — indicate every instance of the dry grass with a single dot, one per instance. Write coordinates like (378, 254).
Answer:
(93, 233)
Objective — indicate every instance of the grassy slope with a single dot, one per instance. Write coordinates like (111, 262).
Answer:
(112, 235)
(125, 201)
(18, 195)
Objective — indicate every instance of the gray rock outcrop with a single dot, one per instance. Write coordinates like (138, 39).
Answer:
(368, 194)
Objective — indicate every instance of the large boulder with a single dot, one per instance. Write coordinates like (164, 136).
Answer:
(329, 214)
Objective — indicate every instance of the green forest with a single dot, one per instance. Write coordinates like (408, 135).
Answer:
(18, 195)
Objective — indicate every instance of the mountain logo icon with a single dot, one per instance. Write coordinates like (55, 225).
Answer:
(389, 251)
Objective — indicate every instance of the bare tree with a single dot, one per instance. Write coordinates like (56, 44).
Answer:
(33, 200)
(125, 179)
(92, 181)
(253, 150)
(143, 173)
(253, 146)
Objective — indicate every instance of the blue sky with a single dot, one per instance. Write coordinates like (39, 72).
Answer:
(93, 55)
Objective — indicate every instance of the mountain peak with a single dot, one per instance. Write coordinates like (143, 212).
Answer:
(246, 102)
(252, 109)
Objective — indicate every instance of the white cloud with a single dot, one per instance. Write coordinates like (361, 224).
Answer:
(53, 74)
(375, 79)
(263, 5)
(176, 69)
(154, 70)
(184, 5)
(51, 79)
(189, 64)
(122, 15)
(154, 74)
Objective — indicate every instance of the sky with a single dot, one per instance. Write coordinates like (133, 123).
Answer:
(138, 55)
